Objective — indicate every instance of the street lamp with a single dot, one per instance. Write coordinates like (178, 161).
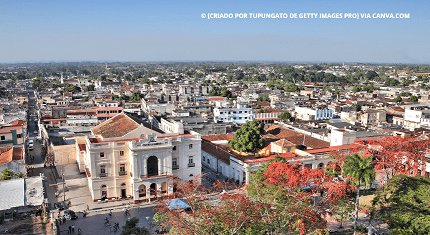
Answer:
(147, 219)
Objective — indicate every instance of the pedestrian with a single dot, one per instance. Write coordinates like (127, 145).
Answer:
(79, 231)
(88, 208)
(110, 212)
(60, 220)
(70, 229)
(110, 228)
(64, 219)
(73, 228)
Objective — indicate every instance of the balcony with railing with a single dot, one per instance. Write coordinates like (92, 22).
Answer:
(175, 167)
(103, 175)
(121, 173)
(191, 164)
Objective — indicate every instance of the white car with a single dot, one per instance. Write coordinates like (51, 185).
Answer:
(30, 146)
(30, 142)
(36, 132)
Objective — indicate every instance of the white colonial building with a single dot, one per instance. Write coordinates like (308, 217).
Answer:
(309, 114)
(239, 115)
(126, 157)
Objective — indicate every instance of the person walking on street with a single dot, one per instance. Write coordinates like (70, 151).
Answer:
(79, 231)
(70, 229)
(64, 219)
(73, 228)
(110, 212)
(88, 208)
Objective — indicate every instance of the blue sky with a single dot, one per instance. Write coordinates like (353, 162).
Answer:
(41, 31)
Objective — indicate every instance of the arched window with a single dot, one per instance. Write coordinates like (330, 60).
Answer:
(320, 166)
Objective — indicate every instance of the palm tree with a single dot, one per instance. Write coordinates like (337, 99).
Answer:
(359, 168)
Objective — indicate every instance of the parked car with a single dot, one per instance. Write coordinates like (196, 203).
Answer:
(71, 214)
(58, 206)
(30, 141)
(36, 132)
(30, 146)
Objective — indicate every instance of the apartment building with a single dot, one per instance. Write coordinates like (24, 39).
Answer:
(239, 115)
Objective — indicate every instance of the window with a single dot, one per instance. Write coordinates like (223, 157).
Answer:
(121, 167)
(174, 148)
(209, 161)
(3, 137)
(121, 153)
(103, 171)
(102, 154)
(175, 164)
(204, 158)
(190, 146)
(19, 136)
(191, 162)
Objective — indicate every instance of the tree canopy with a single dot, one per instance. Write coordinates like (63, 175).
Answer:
(285, 116)
(404, 204)
(248, 137)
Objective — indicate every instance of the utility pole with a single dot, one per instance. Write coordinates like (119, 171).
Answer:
(64, 191)
(216, 160)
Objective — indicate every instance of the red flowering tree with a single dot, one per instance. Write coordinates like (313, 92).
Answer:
(281, 201)
(399, 155)
(212, 212)
(292, 190)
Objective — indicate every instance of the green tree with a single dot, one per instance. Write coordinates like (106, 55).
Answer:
(248, 137)
(285, 116)
(291, 87)
(414, 99)
(398, 99)
(90, 88)
(85, 99)
(124, 97)
(360, 169)
(135, 97)
(404, 204)
(343, 211)
(71, 88)
(7, 174)
(130, 227)
(263, 98)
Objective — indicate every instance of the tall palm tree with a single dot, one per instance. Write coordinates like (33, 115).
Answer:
(359, 168)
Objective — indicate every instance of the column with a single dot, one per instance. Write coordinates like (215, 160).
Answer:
(160, 166)
(148, 193)
(135, 190)
(247, 176)
(143, 166)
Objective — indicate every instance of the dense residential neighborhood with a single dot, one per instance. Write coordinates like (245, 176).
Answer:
(126, 138)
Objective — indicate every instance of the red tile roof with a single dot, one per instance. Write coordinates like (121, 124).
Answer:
(333, 148)
(276, 133)
(7, 129)
(82, 147)
(18, 123)
(117, 126)
(219, 153)
(218, 137)
(284, 143)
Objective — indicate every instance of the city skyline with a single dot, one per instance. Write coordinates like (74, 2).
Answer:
(48, 31)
